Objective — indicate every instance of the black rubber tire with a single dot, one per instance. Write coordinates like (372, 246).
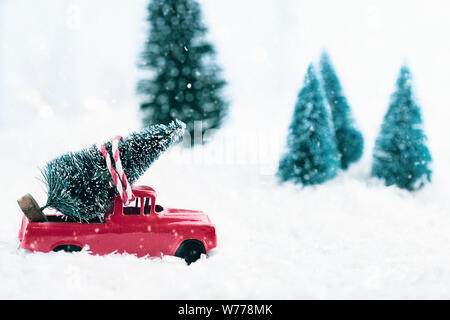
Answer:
(67, 248)
(190, 251)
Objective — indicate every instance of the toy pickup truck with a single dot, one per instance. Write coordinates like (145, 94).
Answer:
(142, 228)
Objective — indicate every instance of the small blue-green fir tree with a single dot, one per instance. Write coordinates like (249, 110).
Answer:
(311, 156)
(349, 140)
(401, 156)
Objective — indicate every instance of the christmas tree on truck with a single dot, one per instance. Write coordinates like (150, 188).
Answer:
(82, 185)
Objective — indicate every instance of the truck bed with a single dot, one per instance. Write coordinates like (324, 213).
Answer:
(65, 219)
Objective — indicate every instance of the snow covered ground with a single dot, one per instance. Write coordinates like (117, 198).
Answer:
(68, 73)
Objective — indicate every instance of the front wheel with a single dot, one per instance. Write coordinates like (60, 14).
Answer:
(190, 251)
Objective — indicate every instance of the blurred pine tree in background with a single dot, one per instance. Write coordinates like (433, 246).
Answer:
(312, 157)
(186, 83)
(349, 141)
(401, 156)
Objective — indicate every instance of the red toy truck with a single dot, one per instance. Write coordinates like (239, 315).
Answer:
(142, 228)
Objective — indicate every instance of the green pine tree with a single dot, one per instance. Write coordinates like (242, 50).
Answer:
(186, 83)
(311, 157)
(349, 140)
(401, 156)
(79, 183)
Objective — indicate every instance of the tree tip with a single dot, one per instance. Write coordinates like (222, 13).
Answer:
(324, 56)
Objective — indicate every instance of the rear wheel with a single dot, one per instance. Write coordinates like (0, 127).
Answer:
(67, 248)
(190, 251)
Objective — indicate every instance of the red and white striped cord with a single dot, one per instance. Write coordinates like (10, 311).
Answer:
(118, 175)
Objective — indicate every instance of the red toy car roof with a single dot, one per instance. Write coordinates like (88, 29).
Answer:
(143, 191)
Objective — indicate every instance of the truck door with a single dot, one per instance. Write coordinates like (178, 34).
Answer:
(142, 223)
